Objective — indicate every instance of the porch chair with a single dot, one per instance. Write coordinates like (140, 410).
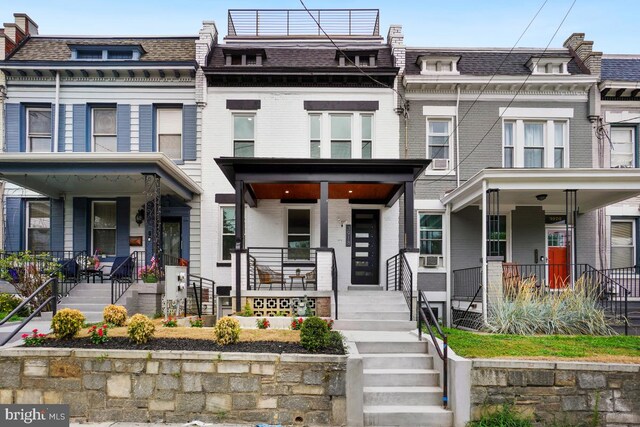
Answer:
(122, 270)
(310, 278)
(269, 277)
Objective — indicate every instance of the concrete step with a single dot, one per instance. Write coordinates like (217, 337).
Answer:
(93, 316)
(415, 416)
(402, 396)
(391, 347)
(400, 377)
(74, 299)
(374, 325)
(86, 293)
(84, 307)
(372, 315)
(372, 306)
(397, 361)
(365, 288)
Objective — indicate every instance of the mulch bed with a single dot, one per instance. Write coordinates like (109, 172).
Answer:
(121, 343)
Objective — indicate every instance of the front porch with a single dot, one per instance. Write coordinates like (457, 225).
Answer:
(333, 222)
(539, 226)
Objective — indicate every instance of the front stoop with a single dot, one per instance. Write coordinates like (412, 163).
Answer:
(400, 385)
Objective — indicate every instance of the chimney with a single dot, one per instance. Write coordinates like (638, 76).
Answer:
(395, 39)
(583, 50)
(26, 24)
(208, 38)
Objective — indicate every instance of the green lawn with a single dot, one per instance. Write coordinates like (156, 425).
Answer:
(13, 319)
(480, 345)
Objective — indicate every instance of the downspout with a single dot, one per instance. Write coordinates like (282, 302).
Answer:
(457, 137)
(484, 252)
(56, 121)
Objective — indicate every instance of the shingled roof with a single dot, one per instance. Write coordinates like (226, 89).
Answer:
(620, 68)
(156, 49)
(489, 62)
(312, 57)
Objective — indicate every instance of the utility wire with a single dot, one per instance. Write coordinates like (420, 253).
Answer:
(622, 121)
(370, 77)
(475, 147)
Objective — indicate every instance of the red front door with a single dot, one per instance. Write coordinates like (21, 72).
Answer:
(559, 275)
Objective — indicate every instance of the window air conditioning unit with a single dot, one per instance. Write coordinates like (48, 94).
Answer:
(431, 261)
(440, 164)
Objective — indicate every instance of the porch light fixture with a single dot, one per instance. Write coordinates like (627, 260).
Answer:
(286, 191)
(140, 216)
(541, 197)
(350, 191)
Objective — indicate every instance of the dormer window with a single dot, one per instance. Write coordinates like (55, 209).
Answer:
(106, 53)
(438, 64)
(359, 58)
(548, 65)
(249, 58)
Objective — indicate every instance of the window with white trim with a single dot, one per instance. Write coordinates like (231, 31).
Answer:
(38, 223)
(315, 135)
(39, 130)
(535, 144)
(228, 229)
(299, 233)
(340, 136)
(104, 130)
(170, 132)
(431, 236)
(366, 135)
(103, 227)
(438, 132)
(244, 135)
(622, 147)
(623, 243)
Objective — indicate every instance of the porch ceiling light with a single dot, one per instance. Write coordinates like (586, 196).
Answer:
(286, 191)
(541, 197)
(350, 191)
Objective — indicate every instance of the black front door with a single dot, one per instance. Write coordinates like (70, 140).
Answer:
(365, 247)
(172, 237)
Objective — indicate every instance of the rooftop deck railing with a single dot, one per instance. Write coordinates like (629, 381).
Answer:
(299, 22)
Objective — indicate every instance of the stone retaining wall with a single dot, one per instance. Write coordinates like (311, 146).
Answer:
(560, 391)
(176, 386)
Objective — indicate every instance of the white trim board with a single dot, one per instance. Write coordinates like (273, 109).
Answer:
(535, 113)
(439, 111)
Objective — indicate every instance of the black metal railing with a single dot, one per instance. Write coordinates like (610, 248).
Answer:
(282, 269)
(200, 296)
(425, 314)
(125, 274)
(465, 283)
(47, 297)
(334, 280)
(612, 296)
(300, 22)
(629, 277)
(400, 278)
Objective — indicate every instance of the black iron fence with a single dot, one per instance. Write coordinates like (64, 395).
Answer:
(282, 269)
(629, 277)
(465, 283)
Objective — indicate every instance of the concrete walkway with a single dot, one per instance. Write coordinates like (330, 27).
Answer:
(189, 424)
(43, 327)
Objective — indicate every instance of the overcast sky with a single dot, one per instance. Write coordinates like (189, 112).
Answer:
(612, 24)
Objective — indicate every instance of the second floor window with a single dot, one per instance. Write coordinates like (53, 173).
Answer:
(244, 135)
(340, 136)
(315, 121)
(535, 144)
(39, 130)
(170, 132)
(367, 135)
(104, 130)
(438, 139)
(622, 147)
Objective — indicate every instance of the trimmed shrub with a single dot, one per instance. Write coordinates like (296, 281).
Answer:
(9, 302)
(227, 331)
(115, 315)
(314, 334)
(67, 322)
(140, 328)
(335, 340)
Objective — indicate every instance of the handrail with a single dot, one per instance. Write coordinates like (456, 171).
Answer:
(123, 286)
(53, 299)
(334, 279)
(612, 296)
(430, 320)
(399, 273)
(199, 301)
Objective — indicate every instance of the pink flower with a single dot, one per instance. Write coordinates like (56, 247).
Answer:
(100, 332)
(35, 331)
(24, 336)
(41, 335)
(105, 326)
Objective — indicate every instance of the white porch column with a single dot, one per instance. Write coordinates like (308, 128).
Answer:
(323, 269)
(484, 251)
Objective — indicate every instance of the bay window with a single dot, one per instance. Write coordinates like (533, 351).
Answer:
(315, 125)
(622, 147)
(367, 135)
(508, 144)
(340, 136)
(535, 144)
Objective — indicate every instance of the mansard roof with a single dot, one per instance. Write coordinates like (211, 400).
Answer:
(621, 67)
(58, 48)
(486, 62)
(298, 57)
